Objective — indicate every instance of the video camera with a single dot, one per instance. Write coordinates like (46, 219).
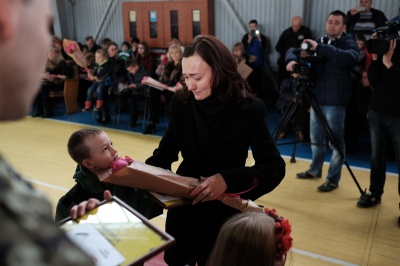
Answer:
(385, 34)
(305, 59)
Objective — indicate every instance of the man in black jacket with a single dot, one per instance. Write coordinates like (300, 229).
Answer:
(255, 44)
(291, 37)
(384, 119)
(338, 54)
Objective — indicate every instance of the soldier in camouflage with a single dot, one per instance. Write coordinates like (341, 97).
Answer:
(28, 235)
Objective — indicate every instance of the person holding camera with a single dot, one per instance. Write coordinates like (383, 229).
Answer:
(383, 118)
(255, 44)
(291, 37)
(362, 19)
(335, 56)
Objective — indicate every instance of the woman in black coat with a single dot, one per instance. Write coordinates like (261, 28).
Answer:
(214, 120)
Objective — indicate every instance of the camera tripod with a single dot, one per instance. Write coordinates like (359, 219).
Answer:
(302, 88)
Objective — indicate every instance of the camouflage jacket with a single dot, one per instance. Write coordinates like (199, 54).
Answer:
(28, 234)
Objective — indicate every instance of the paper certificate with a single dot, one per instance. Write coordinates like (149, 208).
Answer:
(95, 245)
(115, 234)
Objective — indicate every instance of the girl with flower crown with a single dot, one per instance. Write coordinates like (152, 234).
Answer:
(253, 238)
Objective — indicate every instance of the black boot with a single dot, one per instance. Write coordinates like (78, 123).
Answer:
(106, 117)
(151, 128)
(99, 117)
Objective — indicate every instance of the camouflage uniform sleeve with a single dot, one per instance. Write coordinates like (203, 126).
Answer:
(29, 235)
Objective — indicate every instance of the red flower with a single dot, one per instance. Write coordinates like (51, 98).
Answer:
(71, 48)
(120, 163)
(283, 239)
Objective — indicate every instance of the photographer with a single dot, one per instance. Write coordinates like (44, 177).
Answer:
(383, 117)
(336, 55)
(255, 44)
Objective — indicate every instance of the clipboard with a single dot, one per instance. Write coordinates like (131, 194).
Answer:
(133, 239)
(149, 81)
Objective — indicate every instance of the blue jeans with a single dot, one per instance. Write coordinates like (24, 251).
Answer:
(334, 116)
(381, 128)
(98, 87)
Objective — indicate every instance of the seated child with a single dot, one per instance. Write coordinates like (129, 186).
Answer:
(252, 238)
(94, 152)
(100, 74)
(287, 95)
(134, 90)
(362, 55)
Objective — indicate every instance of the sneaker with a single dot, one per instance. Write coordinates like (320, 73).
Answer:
(85, 109)
(307, 174)
(368, 200)
(327, 186)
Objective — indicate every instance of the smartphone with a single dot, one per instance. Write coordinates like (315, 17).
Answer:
(360, 8)
(255, 32)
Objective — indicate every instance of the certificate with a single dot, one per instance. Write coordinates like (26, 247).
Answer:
(116, 234)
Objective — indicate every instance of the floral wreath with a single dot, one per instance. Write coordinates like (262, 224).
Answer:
(283, 229)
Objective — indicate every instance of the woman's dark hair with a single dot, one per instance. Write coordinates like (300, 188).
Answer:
(227, 82)
(146, 48)
(139, 57)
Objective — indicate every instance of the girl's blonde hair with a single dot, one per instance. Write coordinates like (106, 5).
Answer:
(246, 239)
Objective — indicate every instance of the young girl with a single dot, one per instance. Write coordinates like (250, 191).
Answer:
(252, 238)
(100, 73)
(144, 58)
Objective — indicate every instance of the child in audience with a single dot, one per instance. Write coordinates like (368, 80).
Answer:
(362, 55)
(252, 238)
(240, 54)
(125, 52)
(144, 58)
(288, 93)
(100, 74)
(134, 90)
(93, 151)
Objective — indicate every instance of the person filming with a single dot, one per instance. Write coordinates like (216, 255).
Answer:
(336, 54)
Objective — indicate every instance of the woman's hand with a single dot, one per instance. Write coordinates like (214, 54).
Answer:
(210, 189)
(84, 206)
(387, 58)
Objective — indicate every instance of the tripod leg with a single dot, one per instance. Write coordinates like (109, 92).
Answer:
(331, 138)
(280, 127)
(293, 157)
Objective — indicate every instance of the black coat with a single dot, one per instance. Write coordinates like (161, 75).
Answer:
(210, 144)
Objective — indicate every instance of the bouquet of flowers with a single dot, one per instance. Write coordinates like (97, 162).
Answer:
(132, 173)
(73, 50)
